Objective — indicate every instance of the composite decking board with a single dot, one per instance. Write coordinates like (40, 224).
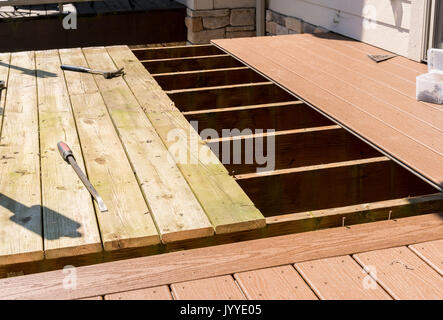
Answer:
(333, 97)
(146, 272)
(190, 63)
(277, 283)
(371, 82)
(362, 49)
(175, 210)
(431, 252)
(68, 230)
(340, 278)
(398, 269)
(20, 195)
(128, 223)
(156, 293)
(360, 213)
(227, 206)
(217, 288)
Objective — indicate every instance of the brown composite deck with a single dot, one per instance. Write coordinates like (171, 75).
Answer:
(403, 257)
(374, 101)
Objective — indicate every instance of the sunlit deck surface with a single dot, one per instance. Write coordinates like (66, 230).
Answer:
(247, 232)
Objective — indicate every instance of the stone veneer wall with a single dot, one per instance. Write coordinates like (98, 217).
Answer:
(221, 19)
(278, 24)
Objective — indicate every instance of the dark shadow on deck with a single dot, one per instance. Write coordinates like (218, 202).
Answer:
(23, 216)
(105, 23)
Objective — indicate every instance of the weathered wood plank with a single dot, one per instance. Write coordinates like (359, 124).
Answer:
(157, 293)
(128, 223)
(176, 211)
(291, 148)
(431, 252)
(20, 198)
(215, 261)
(175, 52)
(69, 230)
(219, 288)
(340, 278)
(402, 274)
(278, 283)
(227, 206)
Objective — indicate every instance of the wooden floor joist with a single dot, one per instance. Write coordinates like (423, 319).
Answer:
(239, 95)
(292, 148)
(273, 116)
(128, 223)
(176, 52)
(208, 78)
(336, 185)
(191, 63)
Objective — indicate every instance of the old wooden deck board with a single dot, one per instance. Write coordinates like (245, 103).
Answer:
(399, 269)
(156, 293)
(227, 206)
(68, 230)
(20, 198)
(215, 261)
(176, 211)
(411, 137)
(219, 288)
(5, 58)
(431, 252)
(278, 283)
(128, 223)
(340, 278)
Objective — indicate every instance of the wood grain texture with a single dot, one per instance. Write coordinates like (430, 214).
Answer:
(157, 293)
(128, 223)
(69, 230)
(218, 288)
(5, 59)
(278, 283)
(220, 260)
(176, 211)
(20, 199)
(431, 252)
(403, 274)
(340, 278)
(227, 206)
(408, 140)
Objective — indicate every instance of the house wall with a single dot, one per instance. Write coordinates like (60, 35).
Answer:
(394, 25)
(216, 19)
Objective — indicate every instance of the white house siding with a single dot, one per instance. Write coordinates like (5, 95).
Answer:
(389, 29)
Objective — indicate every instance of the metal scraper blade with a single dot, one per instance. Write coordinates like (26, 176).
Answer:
(380, 57)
